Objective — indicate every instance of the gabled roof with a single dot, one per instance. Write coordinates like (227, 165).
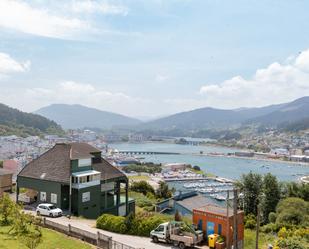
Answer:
(82, 150)
(107, 170)
(55, 164)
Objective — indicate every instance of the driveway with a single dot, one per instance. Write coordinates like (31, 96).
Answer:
(89, 225)
(130, 240)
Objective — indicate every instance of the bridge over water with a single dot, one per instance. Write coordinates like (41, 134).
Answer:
(134, 152)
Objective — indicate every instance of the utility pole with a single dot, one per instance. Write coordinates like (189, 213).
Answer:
(227, 220)
(235, 225)
(257, 227)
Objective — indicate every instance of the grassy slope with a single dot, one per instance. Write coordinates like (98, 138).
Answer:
(51, 240)
(264, 239)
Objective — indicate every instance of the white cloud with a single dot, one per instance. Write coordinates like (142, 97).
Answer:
(21, 16)
(70, 92)
(8, 65)
(104, 7)
(276, 83)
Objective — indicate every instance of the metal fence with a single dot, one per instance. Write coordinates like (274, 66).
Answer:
(98, 239)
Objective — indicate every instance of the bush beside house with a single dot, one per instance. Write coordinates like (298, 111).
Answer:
(140, 224)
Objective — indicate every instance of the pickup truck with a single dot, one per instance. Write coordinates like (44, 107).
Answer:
(177, 233)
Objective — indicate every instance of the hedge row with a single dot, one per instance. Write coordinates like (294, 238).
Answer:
(140, 224)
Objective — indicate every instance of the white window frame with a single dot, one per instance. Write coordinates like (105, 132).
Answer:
(84, 162)
(86, 196)
(43, 194)
(53, 198)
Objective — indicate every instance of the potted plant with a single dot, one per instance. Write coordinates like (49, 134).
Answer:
(220, 243)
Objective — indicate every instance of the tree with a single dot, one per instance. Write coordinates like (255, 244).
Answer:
(8, 208)
(163, 191)
(251, 186)
(33, 238)
(292, 211)
(142, 187)
(271, 196)
(197, 168)
(294, 189)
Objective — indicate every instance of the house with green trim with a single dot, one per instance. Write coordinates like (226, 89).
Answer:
(76, 178)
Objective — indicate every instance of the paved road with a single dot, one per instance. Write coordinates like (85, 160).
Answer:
(134, 241)
(89, 225)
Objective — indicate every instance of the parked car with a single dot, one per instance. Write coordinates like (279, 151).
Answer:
(49, 210)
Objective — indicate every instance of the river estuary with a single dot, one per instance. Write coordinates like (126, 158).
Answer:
(228, 167)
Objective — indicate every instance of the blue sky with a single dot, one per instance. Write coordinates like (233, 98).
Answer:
(147, 58)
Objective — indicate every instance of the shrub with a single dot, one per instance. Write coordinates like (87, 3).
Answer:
(270, 228)
(292, 243)
(141, 200)
(292, 211)
(112, 223)
(283, 233)
(8, 210)
(142, 187)
(197, 168)
(221, 239)
(250, 221)
(140, 224)
(272, 217)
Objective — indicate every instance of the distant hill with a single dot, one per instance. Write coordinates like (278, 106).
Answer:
(78, 116)
(291, 112)
(209, 118)
(13, 121)
(212, 118)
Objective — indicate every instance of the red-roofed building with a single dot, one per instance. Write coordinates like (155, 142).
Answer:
(12, 166)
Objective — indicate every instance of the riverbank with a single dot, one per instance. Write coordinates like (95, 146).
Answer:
(231, 167)
(254, 158)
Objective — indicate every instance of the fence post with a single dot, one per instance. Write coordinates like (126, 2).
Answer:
(110, 243)
(44, 221)
(69, 228)
(98, 238)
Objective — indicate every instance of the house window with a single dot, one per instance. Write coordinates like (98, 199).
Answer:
(74, 179)
(53, 198)
(219, 229)
(84, 162)
(86, 197)
(43, 196)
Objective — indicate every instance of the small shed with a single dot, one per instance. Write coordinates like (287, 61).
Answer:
(212, 219)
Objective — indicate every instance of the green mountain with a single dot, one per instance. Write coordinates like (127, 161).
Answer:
(209, 118)
(78, 116)
(287, 113)
(15, 122)
(216, 119)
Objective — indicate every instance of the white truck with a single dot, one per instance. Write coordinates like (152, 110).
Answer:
(177, 233)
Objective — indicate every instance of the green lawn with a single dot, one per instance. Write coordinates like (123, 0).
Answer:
(264, 239)
(51, 240)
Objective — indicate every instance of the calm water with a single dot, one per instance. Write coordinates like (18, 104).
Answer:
(221, 166)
